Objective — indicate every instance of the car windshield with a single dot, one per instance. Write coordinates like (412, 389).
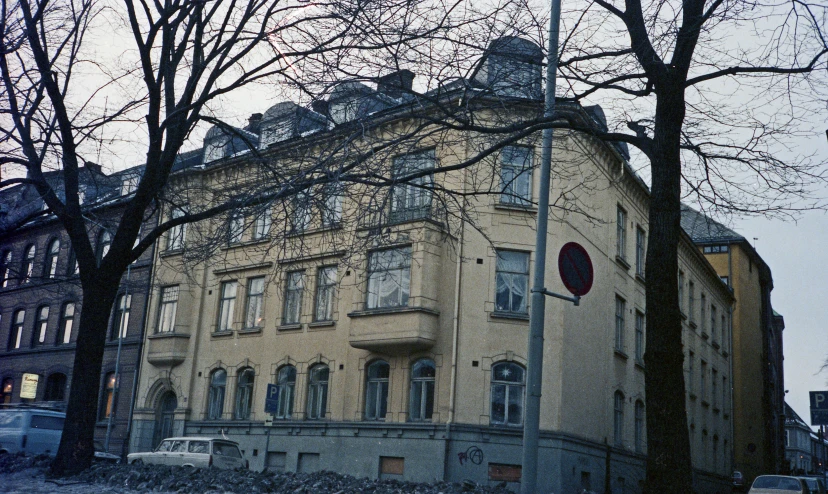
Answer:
(777, 483)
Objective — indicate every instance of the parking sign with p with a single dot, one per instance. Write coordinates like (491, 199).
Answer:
(819, 407)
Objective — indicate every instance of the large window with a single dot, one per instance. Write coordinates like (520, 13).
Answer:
(286, 387)
(318, 391)
(681, 290)
(41, 325)
(120, 319)
(104, 244)
(5, 268)
(516, 176)
(177, 234)
(254, 314)
(169, 306)
(50, 266)
(621, 233)
(261, 226)
(294, 288)
(227, 306)
(301, 212)
(714, 388)
(235, 229)
(618, 418)
(55, 387)
(640, 250)
(412, 199)
(67, 322)
(215, 396)
(107, 396)
(28, 264)
(702, 311)
(376, 390)
(691, 372)
(244, 394)
(713, 322)
(703, 386)
(691, 307)
(620, 324)
(325, 293)
(511, 281)
(639, 426)
(639, 337)
(16, 332)
(421, 403)
(508, 386)
(389, 278)
(332, 209)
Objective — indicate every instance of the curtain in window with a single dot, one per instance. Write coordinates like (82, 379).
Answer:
(389, 278)
(512, 281)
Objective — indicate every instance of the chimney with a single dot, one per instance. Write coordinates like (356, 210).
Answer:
(320, 106)
(254, 123)
(396, 84)
(93, 167)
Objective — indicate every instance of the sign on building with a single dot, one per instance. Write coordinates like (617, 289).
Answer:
(28, 389)
(272, 398)
(819, 407)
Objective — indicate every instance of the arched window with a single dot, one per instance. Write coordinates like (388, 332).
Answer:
(104, 243)
(55, 387)
(285, 387)
(6, 390)
(66, 323)
(508, 386)
(5, 268)
(120, 319)
(421, 403)
(41, 325)
(50, 266)
(618, 418)
(215, 398)
(107, 396)
(318, 391)
(639, 426)
(28, 264)
(376, 390)
(16, 332)
(244, 394)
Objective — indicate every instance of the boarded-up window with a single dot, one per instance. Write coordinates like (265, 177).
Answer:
(504, 473)
(275, 461)
(391, 465)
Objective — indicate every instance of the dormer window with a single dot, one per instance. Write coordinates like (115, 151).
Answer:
(129, 185)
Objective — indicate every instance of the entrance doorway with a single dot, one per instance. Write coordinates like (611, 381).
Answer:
(164, 417)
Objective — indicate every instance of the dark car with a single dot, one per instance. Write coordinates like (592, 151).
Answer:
(737, 481)
(815, 484)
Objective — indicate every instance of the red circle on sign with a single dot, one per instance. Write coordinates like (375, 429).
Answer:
(575, 268)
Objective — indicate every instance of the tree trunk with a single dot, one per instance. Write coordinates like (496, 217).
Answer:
(669, 468)
(77, 443)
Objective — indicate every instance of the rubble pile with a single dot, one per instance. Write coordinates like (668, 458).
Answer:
(11, 463)
(148, 478)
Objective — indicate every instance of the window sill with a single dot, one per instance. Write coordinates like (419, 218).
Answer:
(171, 252)
(221, 334)
(639, 365)
(620, 354)
(684, 317)
(245, 331)
(320, 325)
(692, 324)
(622, 262)
(391, 310)
(692, 396)
(515, 316)
(716, 345)
(289, 327)
(716, 409)
(705, 403)
(244, 267)
(725, 416)
(505, 206)
(704, 335)
(640, 278)
(725, 353)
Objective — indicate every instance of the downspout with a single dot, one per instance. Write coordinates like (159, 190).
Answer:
(732, 352)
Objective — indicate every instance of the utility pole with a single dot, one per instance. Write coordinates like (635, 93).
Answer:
(531, 425)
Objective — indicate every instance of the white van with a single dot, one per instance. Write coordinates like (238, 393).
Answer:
(203, 452)
(30, 430)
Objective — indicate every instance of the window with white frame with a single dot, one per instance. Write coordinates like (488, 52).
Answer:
(285, 392)
(511, 281)
(516, 175)
(235, 229)
(376, 390)
(325, 293)
(411, 199)
(67, 322)
(16, 333)
(639, 337)
(254, 313)
(621, 233)
(421, 400)
(244, 394)
(28, 263)
(261, 226)
(5, 268)
(332, 208)
(640, 250)
(176, 235)
(620, 322)
(389, 278)
(507, 394)
(301, 213)
(227, 305)
(618, 418)
(318, 391)
(294, 288)
(41, 325)
(129, 185)
(121, 316)
(168, 308)
(50, 268)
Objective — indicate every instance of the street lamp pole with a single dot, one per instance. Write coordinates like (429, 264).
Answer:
(531, 425)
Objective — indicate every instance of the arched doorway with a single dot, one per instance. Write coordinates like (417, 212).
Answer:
(164, 417)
